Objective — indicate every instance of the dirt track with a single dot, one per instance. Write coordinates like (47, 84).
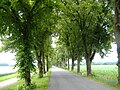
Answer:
(8, 82)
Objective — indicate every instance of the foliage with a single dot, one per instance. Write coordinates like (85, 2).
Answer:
(25, 28)
(23, 87)
(85, 28)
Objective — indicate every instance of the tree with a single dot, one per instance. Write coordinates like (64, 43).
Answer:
(93, 26)
(42, 33)
(117, 33)
(18, 30)
(21, 25)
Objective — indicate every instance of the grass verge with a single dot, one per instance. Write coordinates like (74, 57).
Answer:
(7, 76)
(42, 84)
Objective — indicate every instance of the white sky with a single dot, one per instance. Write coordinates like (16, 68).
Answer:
(53, 42)
(7, 57)
(112, 57)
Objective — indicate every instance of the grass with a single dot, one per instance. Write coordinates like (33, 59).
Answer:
(106, 74)
(7, 76)
(42, 84)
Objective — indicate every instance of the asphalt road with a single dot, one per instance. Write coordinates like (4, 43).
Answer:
(64, 80)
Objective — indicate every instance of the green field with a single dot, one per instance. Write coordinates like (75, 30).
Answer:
(106, 74)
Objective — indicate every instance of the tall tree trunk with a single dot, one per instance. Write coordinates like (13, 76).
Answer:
(117, 33)
(27, 78)
(64, 63)
(72, 68)
(88, 66)
(27, 57)
(47, 63)
(78, 65)
(60, 64)
(40, 65)
(43, 62)
(68, 64)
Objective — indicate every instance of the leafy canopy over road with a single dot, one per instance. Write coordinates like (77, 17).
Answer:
(83, 28)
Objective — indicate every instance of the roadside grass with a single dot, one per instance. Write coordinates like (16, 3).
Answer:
(106, 74)
(42, 84)
(7, 76)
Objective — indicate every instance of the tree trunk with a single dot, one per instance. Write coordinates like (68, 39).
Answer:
(117, 33)
(68, 64)
(72, 63)
(88, 66)
(64, 63)
(27, 78)
(47, 63)
(60, 64)
(78, 65)
(40, 65)
(27, 57)
(27, 62)
(43, 62)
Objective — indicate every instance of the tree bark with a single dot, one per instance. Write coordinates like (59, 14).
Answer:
(27, 78)
(40, 66)
(68, 64)
(43, 62)
(60, 64)
(117, 33)
(72, 68)
(27, 56)
(47, 63)
(64, 63)
(78, 65)
(88, 66)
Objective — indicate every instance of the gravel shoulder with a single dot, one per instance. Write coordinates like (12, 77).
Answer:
(64, 80)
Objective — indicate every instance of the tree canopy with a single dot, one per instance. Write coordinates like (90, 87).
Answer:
(82, 28)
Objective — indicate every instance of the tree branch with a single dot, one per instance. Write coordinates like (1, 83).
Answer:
(3, 9)
(92, 56)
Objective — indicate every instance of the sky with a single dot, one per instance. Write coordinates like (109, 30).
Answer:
(9, 58)
(112, 57)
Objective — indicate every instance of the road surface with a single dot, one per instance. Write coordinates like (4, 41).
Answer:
(64, 80)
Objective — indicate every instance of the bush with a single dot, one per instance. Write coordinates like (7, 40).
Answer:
(24, 87)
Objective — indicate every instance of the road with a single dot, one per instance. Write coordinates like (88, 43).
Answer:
(64, 80)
